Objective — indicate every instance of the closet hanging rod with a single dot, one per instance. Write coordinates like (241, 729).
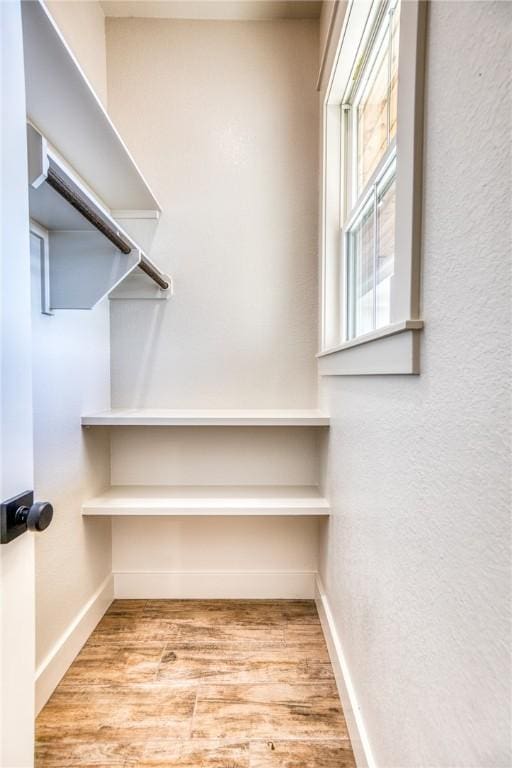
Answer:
(80, 204)
(151, 272)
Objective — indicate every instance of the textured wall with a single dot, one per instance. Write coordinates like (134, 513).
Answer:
(82, 22)
(222, 118)
(71, 376)
(416, 560)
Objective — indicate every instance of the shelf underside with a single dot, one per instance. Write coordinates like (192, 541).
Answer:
(187, 501)
(234, 418)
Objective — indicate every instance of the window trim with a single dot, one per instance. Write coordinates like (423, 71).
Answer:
(360, 19)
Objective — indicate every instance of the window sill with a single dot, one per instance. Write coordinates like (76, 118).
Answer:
(393, 349)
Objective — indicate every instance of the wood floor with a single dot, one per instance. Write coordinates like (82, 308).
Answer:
(198, 684)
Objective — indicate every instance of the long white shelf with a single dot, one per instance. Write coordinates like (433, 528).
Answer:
(149, 417)
(62, 104)
(185, 501)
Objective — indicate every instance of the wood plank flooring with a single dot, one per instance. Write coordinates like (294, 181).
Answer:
(198, 684)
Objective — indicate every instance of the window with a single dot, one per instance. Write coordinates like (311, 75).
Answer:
(372, 164)
(369, 121)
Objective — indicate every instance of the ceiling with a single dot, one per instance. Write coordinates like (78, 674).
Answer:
(245, 10)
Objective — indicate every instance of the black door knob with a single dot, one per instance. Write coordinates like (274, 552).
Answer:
(37, 517)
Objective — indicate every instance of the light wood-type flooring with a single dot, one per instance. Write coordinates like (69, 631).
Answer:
(198, 684)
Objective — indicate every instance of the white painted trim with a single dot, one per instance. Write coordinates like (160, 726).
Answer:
(388, 330)
(53, 667)
(393, 353)
(206, 585)
(43, 236)
(353, 715)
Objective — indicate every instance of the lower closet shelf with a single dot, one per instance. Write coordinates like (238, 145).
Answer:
(185, 501)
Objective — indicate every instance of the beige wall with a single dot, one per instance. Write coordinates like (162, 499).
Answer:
(82, 23)
(71, 375)
(416, 556)
(222, 118)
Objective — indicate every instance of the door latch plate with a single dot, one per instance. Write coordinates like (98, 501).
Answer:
(9, 528)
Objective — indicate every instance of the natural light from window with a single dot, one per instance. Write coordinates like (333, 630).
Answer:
(370, 118)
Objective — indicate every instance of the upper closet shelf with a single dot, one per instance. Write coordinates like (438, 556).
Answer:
(149, 417)
(63, 106)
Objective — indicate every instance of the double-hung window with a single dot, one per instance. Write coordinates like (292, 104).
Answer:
(369, 124)
(372, 132)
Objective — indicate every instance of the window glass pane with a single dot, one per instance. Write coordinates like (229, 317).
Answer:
(361, 270)
(375, 102)
(372, 118)
(393, 85)
(385, 260)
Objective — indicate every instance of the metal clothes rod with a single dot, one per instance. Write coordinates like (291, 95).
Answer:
(69, 194)
(80, 204)
(152, 273)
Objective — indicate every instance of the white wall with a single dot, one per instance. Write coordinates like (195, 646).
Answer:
(82, 22)
(416, 559)
(215, 557)
(71, 376)
(215, 456)
(223, 119)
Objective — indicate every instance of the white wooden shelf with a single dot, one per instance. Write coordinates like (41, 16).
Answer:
(149, 417)
(62, 105)
(293, 501)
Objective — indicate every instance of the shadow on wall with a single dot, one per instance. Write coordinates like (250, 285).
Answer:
(149, 327)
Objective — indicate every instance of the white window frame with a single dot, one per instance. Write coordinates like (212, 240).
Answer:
(393, 348)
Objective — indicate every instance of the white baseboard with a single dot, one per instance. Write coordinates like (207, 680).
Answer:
(351, 709)
(54, 666)
(215, 585)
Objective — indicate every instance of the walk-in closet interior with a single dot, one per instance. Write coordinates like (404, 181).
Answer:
(276, 464)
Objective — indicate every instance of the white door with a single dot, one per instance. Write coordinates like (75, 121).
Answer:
(17, 609)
